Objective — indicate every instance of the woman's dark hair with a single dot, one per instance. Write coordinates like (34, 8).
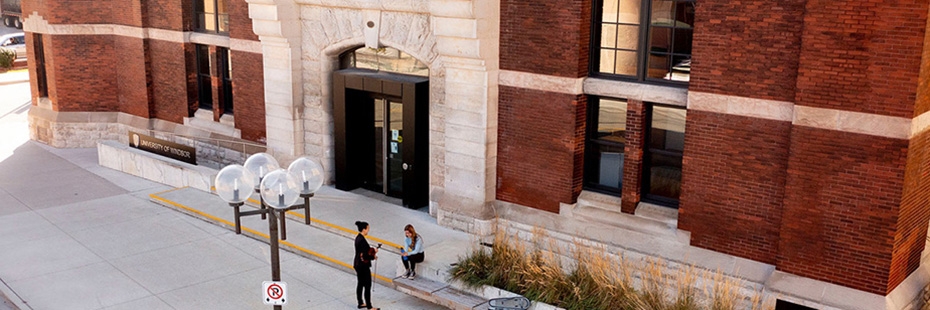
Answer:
(361, 225)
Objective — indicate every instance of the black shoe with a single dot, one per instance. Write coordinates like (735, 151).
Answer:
(362, 306)
(413, 275)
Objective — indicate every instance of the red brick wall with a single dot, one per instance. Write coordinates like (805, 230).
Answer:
(545, 37)
(249, 95)
(633, 155)
(747, 48)
(537, 147)
(911, 234)
(923, 86)
(841, 209)
(131, 77)
(169, 81)
(84, 73)
(240, 25)
(121, 12)
(733, 183)
(169, 14)
(862, 56)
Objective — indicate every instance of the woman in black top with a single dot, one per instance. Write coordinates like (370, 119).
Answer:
(364, 254)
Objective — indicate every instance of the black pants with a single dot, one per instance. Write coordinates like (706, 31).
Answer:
(411, 262)
(364, 284)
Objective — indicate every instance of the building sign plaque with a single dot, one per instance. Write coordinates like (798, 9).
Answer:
(164, 148)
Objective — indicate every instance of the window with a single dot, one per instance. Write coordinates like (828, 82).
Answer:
(604, 147)
(383, 59)
(664, 149)
(225, 70)
(39, 51)
(211, 16)
(204, 84)
(627, 48)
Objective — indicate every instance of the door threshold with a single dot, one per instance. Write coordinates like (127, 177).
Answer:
(378, 196)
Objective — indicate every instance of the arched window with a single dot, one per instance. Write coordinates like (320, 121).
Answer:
(383, 59)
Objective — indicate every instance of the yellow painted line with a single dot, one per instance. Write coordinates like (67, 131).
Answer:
(265, 236)
(170, 190)
(349, 231)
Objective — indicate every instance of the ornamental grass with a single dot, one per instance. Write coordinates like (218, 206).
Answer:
(589, 278)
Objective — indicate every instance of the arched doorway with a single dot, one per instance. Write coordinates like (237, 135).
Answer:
(381, 113)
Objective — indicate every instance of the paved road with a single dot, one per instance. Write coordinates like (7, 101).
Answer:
(4, 30)
(74, 235)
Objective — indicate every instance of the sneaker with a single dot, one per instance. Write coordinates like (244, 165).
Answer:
(406, 275)
(413, 275)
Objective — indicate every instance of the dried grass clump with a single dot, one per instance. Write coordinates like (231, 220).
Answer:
(597, 279)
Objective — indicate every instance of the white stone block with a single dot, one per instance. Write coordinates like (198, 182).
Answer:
(465, 183)
(455, 27)
(458, 47)
(470, 133)
(452, 8)
(463, 147)
(263, 12)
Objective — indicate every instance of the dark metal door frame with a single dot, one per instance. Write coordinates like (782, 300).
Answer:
(351, 86)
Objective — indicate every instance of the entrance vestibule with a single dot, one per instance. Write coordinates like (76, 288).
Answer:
(381, 133)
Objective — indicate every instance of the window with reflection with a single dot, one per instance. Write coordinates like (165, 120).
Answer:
(644, 39)
(204, 88)
(605, 142)
(383, 59)
(665, 145)
(211, 16)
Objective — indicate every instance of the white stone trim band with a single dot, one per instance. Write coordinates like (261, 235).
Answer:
(920, 124)
(677, 96)
(855, 122)
(35, 23)
(540, 82)
(830, 119)
(741, 106)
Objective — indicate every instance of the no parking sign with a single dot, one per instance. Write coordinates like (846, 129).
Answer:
(274, 293)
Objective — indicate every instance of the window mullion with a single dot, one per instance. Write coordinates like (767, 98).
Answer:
(645, 22)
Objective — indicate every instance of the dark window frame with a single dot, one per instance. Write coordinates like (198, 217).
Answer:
(642, 54)
(201, 20)
(224, 62)
(204, 92)
(648, 152)
(38, 47)
(593, 150)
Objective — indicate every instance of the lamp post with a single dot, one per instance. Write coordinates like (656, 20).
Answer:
(310, 175)
(235, 185)
(278, 190)
(260, 164)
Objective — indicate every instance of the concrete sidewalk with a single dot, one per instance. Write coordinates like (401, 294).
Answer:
(79, 236)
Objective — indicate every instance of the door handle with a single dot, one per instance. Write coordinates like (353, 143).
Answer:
(405, 166)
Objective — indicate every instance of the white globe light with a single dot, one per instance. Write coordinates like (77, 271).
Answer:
(279, 189)
(309, 174)
(260, 164)
(234, 184)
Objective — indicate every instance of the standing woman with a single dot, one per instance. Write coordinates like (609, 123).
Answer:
(364, 254)
(412, 251)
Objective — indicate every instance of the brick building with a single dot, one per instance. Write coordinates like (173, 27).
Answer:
(783, 142)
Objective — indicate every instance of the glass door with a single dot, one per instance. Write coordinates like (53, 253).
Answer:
(395, 161)
(389, 139)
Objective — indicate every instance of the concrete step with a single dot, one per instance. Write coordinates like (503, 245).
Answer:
(650, 220)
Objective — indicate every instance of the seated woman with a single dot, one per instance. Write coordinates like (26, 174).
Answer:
(412, 252)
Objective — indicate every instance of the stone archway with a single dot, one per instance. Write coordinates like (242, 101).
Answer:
(458, 49)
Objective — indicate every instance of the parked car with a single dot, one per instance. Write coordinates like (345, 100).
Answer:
(15, 42)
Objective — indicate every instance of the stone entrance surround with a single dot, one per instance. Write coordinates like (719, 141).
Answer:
(301, 43)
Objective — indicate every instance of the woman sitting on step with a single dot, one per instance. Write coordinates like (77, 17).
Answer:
(412, 252)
